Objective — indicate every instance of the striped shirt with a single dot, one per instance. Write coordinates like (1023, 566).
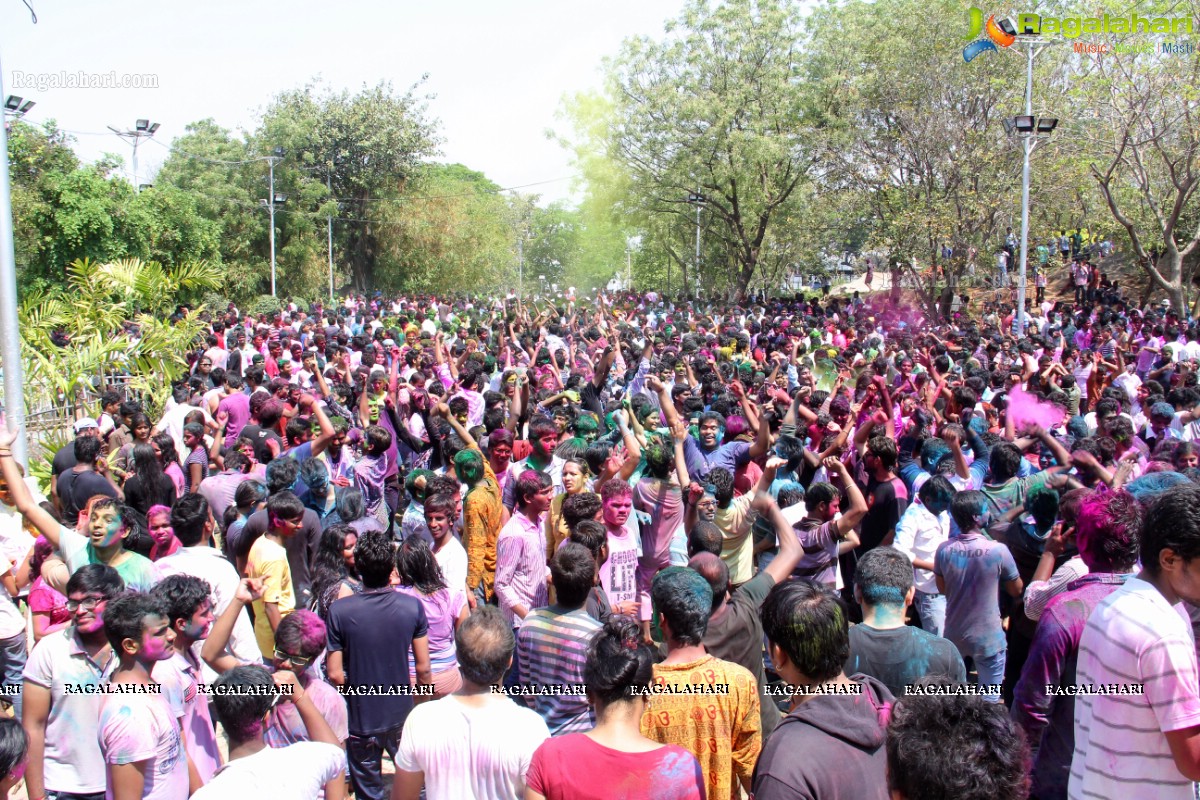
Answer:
(521, 566)
(553, 647)
(1134, 637)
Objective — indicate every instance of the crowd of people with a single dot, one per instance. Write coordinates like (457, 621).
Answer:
(620, 547)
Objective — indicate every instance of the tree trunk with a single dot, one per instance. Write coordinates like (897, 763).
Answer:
(745, 275)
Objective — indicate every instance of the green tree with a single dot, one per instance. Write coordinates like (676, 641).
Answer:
(1134, 118)
(716, 107)
(369, 146)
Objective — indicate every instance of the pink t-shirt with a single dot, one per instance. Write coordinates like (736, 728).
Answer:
(180, 681)
(141, 727)
(668, 773)
(441, 612)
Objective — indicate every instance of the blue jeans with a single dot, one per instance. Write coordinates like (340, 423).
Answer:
(13, 654)
(932, 609)
(990, 672)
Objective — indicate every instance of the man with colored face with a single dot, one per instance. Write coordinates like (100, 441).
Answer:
(103, 544)
(60, 719)
(139, 734)
(189, 608)
(543, 435)
(521, 554)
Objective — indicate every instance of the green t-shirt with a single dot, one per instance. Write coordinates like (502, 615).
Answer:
(138, 572)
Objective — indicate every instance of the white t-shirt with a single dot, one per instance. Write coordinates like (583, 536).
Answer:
(12, 621)
(141, 727)
(296, 772)
(618, 575)
(464, 751)
(73, 762)
(1134, 637)
(452, 558)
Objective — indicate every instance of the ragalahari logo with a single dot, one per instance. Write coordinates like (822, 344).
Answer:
(1000, 32)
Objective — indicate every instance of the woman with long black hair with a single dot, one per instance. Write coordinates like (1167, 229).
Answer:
(334, 576)
(148, 485)
(445, 608)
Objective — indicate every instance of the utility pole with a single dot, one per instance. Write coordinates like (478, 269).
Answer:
(10, 330)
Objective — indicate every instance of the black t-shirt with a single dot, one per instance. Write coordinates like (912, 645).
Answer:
(260, 436)
(374, 631)
(64, 459)
(898, 657)
(76, 488)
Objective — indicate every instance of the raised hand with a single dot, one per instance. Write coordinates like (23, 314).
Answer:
(249, 590)
(7, 436)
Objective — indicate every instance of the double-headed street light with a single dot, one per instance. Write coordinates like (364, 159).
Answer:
(1029, 129)
(274, 199)
(15, 108)
(142, 129)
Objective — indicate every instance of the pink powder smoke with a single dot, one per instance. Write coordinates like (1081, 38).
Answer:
(1025, 408)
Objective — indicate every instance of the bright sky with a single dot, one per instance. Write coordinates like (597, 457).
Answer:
(498, 70)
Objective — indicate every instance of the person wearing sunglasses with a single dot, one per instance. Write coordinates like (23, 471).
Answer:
(299, 644)
(61, 723)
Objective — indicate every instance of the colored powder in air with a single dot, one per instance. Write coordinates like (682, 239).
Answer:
(1025, 408)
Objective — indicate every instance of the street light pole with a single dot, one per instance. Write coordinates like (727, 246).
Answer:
(329, 226)
(521, 266)
(10, 330)
(1032, 47)
(142, 129)
(697, 200)
(277, 155)
(271, 206)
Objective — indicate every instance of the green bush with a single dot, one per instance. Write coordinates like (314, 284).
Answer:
(264, 304)
(216, 302)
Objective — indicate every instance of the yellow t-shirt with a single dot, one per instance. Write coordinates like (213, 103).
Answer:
(723, 729)
(268, 560)
(737, 545)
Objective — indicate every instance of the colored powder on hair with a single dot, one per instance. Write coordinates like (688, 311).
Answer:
(1025, 408)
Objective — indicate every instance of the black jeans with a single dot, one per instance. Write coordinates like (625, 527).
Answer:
(364, 757)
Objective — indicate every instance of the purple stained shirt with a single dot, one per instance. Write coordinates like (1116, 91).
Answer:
(237, 406)
(973, 568)
(521, 566)
(1049, 722)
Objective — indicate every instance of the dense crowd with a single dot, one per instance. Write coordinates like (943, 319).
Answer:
(621, 547)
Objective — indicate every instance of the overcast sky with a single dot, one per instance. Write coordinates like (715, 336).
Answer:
(499, 70)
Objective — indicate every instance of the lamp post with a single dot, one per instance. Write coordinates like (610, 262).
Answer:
(1028, 129)
(15, 108)
(271, 202)
(698, 201)
(329, 230)
(10, 330)
(142, 129)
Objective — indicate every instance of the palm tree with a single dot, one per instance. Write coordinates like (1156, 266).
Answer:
(92, 311)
